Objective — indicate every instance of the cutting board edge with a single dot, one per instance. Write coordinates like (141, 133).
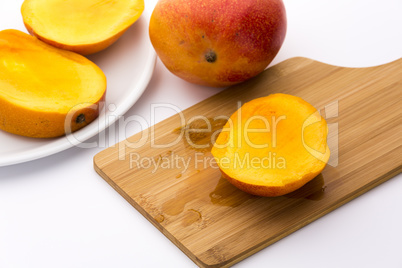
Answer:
(263, 244)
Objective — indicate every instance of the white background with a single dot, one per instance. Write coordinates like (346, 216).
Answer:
(57, 212)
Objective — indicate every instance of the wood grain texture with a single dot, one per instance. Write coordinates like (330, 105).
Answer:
(216, 224)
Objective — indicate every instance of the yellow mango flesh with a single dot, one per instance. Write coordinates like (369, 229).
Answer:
(272, 145)
(83, 26)
(40, 85)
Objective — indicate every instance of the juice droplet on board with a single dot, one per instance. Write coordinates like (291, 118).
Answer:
(313, 190)
(160, 218)
(225, 194)
(200, 134)
(191, 217)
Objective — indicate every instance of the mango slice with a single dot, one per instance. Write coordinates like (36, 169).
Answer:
(82, 26)
(272, 145)
(45, 91)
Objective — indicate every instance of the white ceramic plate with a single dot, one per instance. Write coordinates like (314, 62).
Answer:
(128, 65)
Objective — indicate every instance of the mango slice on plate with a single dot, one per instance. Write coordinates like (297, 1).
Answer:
(45, 91)
(272, 145)
(82, 26)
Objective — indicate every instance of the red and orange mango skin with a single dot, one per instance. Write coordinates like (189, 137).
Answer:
(217, 43)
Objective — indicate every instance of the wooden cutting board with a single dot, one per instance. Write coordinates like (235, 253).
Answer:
(216, 224)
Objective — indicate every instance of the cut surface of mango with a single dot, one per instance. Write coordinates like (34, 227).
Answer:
(83, 26)
(40, 85)
(272, 145)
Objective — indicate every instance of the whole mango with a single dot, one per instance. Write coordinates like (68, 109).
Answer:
(217, 42)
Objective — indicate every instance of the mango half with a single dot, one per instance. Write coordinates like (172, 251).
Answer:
(45, 91)
(272, 145)
(82, 26)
